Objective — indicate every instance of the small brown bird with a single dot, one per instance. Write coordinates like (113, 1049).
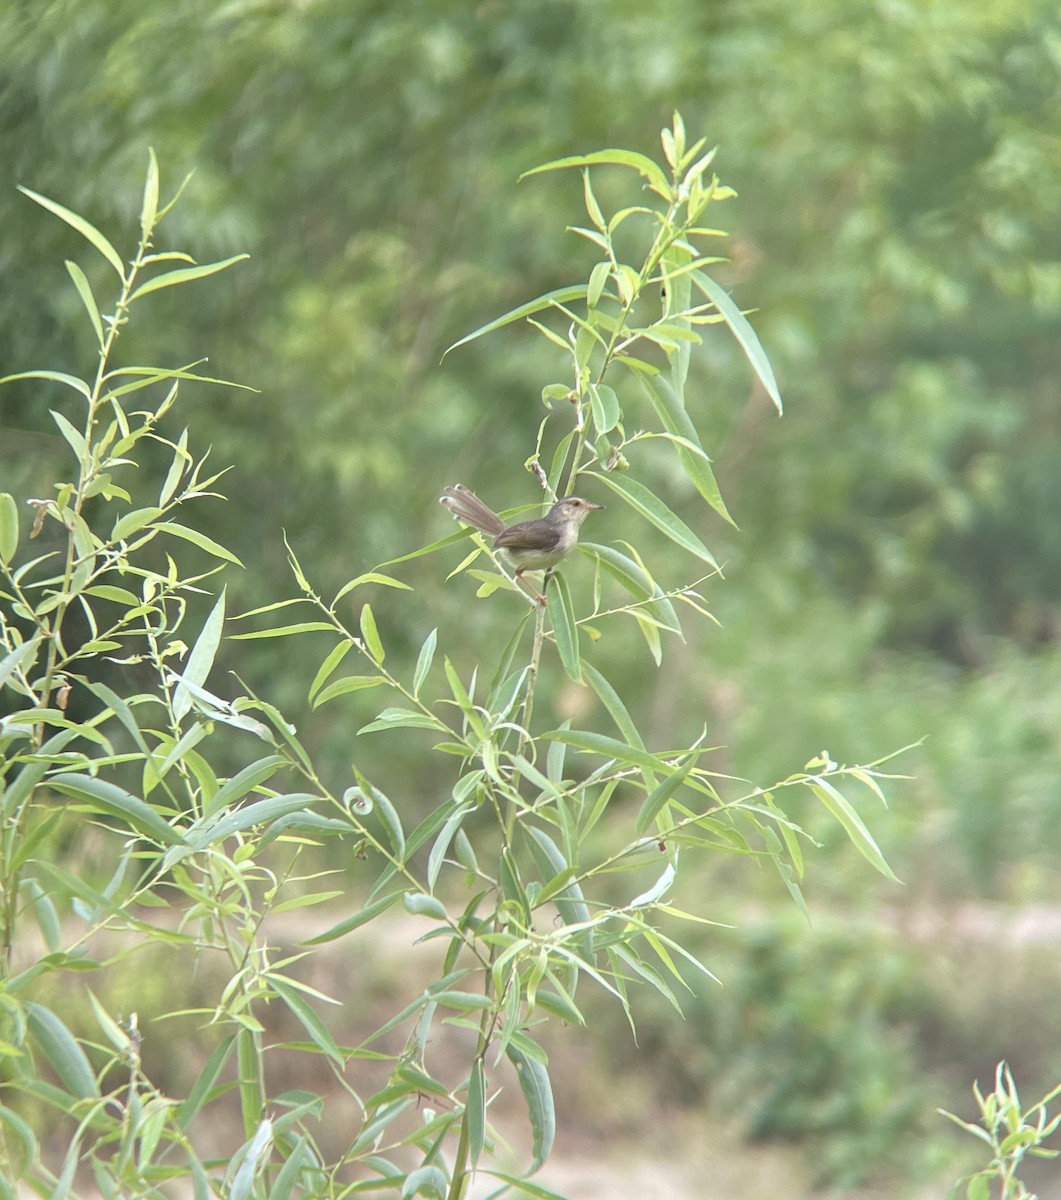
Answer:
(536, 545)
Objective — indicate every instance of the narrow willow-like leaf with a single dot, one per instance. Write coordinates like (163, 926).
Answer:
(84, 290)
(133, 522)
(71, 381)
(184, 275)
(652, 508)
(475, 1111)
(641, 163)
(283, 631)
(565, 628)
(402, 718)
(62, 1050)
(369, 577)
(201, 658)
(613, 703)
(23, 657)
(538, 1093)
(560, 296)
(424, 661)
(88, 231)
(319, 1033)
(597, 743)
(659, 796)
(743, 332)
(114, 801)
(8, 527)
(252, 776)
(677, 421)
(348, 924)
(860, 836)
(350, 683)
(445, 836)
(334, 658)
(201, 1090)
(74, 437)
(370, 633)
(198, 539)
(258, 812)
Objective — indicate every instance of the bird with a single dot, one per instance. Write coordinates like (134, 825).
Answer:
(536, 545)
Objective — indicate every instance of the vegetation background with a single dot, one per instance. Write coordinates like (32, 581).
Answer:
(898, 566)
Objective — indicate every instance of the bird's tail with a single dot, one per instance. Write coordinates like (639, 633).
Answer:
(466, 506)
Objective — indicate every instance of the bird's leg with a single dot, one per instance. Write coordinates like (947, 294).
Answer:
(528, 589)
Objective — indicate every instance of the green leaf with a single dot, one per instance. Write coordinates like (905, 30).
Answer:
(660, 794)
(74, 437)
(565, 628)
(676, 421)
(560, 296)
(422, 905)
(208, 832)
(860, 836)
(649, 505)
(538, 1093)
(134, 521)
(604, 405)
(198, 539)
(475, 1111)
(84, 290)
(612, 702)
(445, 836)
(8, 527)
(319, 1033)
(283, 631)
(620, 158)
(83, 227)
(369, 577)
(23, 656)
(104, 797)
(370, 633)
(184, 275)
(245, 781)
(597, 743)
(334, 658)
(72, 381)
(149, 204)
(62, 1050)
(348, 924)
(743, 332)
(424, 660)
(350, 683)
(201, 658)
(402, 718)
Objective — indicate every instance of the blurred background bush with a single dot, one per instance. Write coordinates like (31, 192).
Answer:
(897, 571)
